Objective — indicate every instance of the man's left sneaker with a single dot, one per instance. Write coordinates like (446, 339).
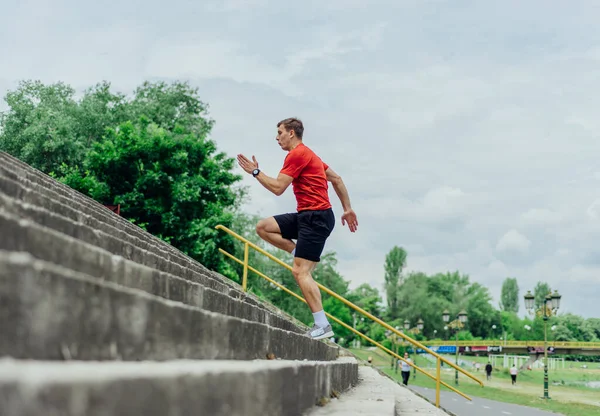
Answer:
(318, 332)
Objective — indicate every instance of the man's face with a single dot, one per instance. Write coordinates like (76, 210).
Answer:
(284, 137)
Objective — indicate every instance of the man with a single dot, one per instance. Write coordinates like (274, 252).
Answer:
(406, 369)
(488, 370)
(314, 220)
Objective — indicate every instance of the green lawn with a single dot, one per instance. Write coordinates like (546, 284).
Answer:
(568, 400)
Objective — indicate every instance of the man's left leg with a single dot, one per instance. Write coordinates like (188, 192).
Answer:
(302, 271)
(314, 227)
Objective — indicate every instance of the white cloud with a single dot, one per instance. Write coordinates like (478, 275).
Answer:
(593, 210)
(541, 216)
(513, 241)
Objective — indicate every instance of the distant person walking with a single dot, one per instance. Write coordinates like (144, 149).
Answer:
(513, 374)
(406, 369)
(488, 370)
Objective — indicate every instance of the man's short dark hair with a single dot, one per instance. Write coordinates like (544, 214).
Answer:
(293, 124)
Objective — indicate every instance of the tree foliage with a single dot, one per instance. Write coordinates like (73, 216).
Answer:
(395, 261)
(541, 290)
(509, 298)
(46, 126)
(174, 185)
(150, 153)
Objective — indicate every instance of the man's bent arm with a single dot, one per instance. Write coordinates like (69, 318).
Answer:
(276, 185)
(340, 188)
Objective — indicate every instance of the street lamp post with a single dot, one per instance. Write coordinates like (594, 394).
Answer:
(550, 307)
(456, 324)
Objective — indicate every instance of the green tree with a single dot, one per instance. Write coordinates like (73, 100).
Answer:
(45, 126)
(368, 298)
(395, 261)
(593, 325)
(509, 323)
(171, 106)
(174, 185)
(541, 290)
(482, 314)
(562, 333)
(40, 125)
(426, 297)
(510, 295)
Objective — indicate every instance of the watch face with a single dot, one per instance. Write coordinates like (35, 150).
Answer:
(255, 172)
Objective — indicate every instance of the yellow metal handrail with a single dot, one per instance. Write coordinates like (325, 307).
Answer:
(333, 318)
(501, 342)
(415, 343)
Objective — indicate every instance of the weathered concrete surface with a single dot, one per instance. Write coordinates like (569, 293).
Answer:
(57, 248)
(67, 201)
(215, 388)
(49, 312)
(38, 181)
(378, 395)
(56, 206)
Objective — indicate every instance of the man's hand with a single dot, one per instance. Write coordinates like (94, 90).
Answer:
(349, 217)
(247, 164)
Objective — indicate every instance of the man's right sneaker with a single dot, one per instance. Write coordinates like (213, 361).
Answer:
(318, 332)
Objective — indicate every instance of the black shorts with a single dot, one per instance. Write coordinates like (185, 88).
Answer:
(310, 229)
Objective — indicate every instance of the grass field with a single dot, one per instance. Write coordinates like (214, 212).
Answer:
(568, 398)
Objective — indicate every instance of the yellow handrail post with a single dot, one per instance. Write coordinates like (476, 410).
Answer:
(437, 381)
(245, 274)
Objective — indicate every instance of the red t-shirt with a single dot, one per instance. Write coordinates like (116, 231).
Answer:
(310, 182)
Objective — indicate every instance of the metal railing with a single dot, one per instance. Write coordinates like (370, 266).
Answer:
(501, 342)
(439, 359)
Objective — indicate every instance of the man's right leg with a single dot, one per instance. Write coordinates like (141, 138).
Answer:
(268, 229)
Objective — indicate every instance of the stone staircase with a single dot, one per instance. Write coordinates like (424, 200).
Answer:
(98, 317)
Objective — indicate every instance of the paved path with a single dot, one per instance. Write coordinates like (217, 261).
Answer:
(481, 407)
(377, 395)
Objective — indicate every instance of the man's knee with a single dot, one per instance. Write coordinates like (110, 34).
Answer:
(298, 272)
(301, 269)
(262, 228)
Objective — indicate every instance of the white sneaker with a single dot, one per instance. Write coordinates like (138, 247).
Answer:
(318, 332)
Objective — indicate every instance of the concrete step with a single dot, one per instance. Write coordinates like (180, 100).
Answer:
(24, 173)
(54, 247)
(377, 394)
(177, 388)
(48, 312)
(16, 182)
(68, 202)
(81, 217)
(68, 197)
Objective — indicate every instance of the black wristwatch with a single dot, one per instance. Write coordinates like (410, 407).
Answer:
(255, 172)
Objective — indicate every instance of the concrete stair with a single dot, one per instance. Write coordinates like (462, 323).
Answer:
(99, 317)
(173, 388)
(50, 312)
(378, 395)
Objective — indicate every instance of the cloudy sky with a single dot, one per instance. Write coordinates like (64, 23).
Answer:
(466, 131)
